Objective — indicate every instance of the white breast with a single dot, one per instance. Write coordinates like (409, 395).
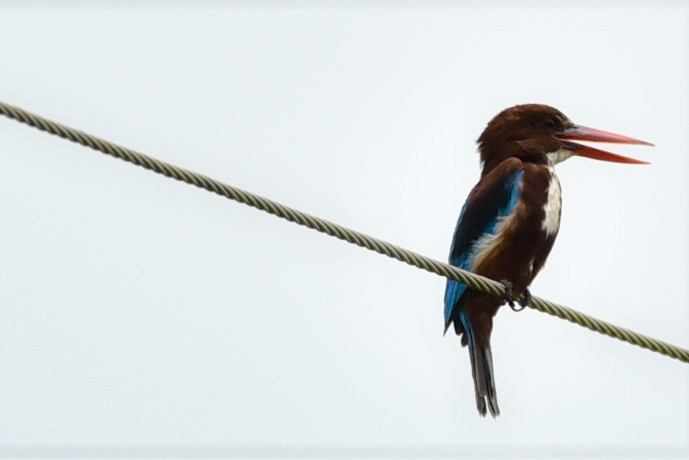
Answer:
(551, 221)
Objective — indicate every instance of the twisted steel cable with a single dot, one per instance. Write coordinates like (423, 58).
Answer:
(329, 228)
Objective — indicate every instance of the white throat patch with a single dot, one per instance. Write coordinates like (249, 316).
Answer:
(558, 156)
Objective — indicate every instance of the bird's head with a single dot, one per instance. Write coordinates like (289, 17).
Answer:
(542, 134)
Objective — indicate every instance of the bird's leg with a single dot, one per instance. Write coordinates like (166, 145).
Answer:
(509, 296)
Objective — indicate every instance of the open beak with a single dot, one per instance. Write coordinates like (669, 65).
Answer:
(582, 133)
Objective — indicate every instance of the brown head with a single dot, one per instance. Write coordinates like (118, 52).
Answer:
(541, 134)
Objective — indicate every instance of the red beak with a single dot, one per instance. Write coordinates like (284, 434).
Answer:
(582, 133)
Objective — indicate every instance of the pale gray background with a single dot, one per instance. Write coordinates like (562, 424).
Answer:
(140, 313)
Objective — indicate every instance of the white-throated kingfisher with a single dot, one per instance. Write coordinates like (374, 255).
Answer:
(509, 222)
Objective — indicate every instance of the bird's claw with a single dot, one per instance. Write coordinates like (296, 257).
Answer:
(509, 296)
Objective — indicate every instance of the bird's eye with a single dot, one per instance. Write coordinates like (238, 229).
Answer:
(549, 123)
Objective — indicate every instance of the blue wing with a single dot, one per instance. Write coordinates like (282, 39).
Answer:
(493, 199)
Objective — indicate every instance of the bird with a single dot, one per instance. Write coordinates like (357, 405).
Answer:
(510, 220)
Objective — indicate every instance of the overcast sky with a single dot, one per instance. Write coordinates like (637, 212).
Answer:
(140, 313)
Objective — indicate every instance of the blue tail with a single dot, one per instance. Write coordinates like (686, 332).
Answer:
(481, 370)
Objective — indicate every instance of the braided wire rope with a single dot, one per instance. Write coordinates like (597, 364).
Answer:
(329, 228)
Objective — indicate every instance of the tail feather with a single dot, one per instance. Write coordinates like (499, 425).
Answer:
(482, 372)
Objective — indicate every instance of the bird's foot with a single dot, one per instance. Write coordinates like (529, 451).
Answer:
(527, 299)
(510, 299)
(509, 293)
